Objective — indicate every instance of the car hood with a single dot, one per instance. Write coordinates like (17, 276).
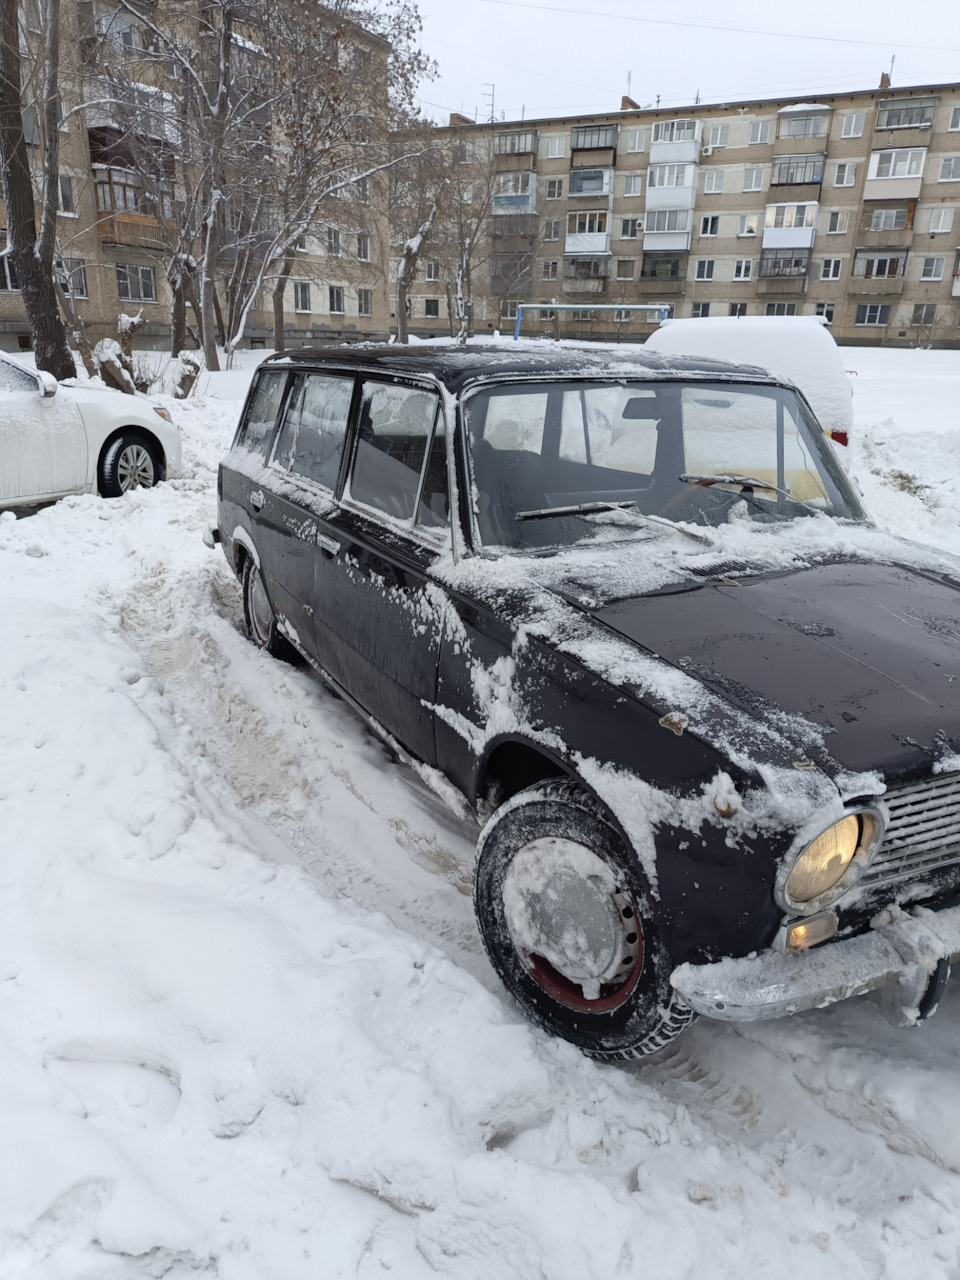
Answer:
(870, 653)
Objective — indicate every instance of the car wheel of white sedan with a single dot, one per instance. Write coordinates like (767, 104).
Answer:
(129, 462)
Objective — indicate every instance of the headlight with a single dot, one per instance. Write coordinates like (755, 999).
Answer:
(831, 863)
(162, 413)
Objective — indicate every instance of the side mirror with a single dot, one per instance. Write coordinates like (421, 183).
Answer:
(48, 383)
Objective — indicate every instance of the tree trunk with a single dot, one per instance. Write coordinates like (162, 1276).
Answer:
(32, 260)
(279, 337)
(451, 310)
(178, 320)
(402, 301)
(78, 329)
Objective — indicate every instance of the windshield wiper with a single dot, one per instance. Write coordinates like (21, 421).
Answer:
(581, 509)
(748, 482)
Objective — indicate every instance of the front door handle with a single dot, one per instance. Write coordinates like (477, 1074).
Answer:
(330, 545)
(257, 499)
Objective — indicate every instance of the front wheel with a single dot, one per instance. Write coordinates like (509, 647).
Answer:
(562, 908)
(129, 462)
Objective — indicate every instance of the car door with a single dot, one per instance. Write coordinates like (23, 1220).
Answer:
(298, 487)
(43, 445)
(377, 617)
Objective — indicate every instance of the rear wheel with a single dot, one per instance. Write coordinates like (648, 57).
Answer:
(259, 616)
(132, 461)
(562, 908)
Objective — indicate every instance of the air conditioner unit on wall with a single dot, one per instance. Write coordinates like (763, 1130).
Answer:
(706, 151)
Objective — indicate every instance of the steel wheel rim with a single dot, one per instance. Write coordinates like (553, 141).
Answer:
(574, 926)
(135, 468)
(261, 615)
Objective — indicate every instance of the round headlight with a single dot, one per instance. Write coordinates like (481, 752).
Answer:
(824, 862)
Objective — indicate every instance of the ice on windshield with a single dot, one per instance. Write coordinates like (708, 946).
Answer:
(693, 453)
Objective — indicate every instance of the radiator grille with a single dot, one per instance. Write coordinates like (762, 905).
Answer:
(923, 834)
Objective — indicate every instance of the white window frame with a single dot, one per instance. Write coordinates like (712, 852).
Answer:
(889, 220)
(743, 269)
(710, 225)
(846, 175)
(826, 309)
(830, 268)
(334, 244)
(635, 223)
(701, 310)
(745, 221)
(298, 298)
(138, 269)
(636, 141)
(753, 178)
(954, 124)
(365, 296)
(675, 131)
(933, 268)
(780, 309)
(719, 135)
(712, 182)
(669, 175)
(759, 132)
(431, 271)
(852, 126)
(363, 247)
(549, 269)
(551, 229)
(679, 217)
(941, 221)
(632, 263)
(843, 222)
(337, 289)
(880, 321)
(705, 268)
(951, 163)
(554, 189)
(556, 146)
(909, 160)
(633, 184)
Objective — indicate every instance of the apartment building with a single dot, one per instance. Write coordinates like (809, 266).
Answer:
(845, 206)
(116, 228)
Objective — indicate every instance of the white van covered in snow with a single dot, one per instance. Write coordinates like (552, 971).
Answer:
(800, 348)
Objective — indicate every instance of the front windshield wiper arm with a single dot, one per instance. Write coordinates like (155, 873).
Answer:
(748, 482)
(581, 509)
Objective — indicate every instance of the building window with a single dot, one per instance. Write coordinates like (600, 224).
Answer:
(954, 119)
(68, 202)
(705, 269)
(924, 313)
(593, 137)
(873, 313)
(748, 224)
(872, 266)
(365, 302)
(136, 284)
(431, 308)
(675, 131)
(904, 115)
(363, 247)
(852, 125)
(950, 169)
(668, 175)
(826, 309)
(941, 220)
(896, 164)
(719, 135)
(333, 242)
(888, 220)
(662, 266)
(837, 220)
(668, 220)
(846, 175)
(587, 224)
(784, 262)
(633, 184)
(587, 316)
(792, 170)
(361, 130)
(781, 309)
(626, 268)
(701, 310)
(636, 140)
(551, 229)
(465, 153)
(630, 228)
(73, 276)
(932, 269)
(361, 189)
(830, 268)
(790, 215)
(759, 131)
(621, 316)
(431, 270)
(713, 182)
(301, 296)
(743, 269)
(554, 188)
(513, 144)
(556, 147)
(511, 184)
(737, 309)
(589, 182)
(753, 179)
(336, 300)
(710, 225)
(508, 310)
(792, 126)
(549, 271)
(586, 268)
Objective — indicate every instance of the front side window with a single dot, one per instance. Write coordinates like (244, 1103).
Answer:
(633, 184)
(905, 115)
(668, 220)
(710, 225)
(830, 269)
(748, 224)
(630, 228)
(668, 175)
(827, 310)
(314, 428)
(790, 215)
(743, 269)
(846, 175)
(588, 182)
(396, 427)
(705, 269)
(853, 125)
(675, 131)
(554, 188)
(301, 296)
(719, 135)
(660, 449)
(792, 126)
(365, 302)
(713, 182)
(941, 220)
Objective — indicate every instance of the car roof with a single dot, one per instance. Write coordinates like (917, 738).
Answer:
(456, 367)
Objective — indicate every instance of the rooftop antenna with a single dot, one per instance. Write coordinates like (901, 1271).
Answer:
(629, 78)
(696, 101)
(492, 96)
(658, 99)
(892, 61)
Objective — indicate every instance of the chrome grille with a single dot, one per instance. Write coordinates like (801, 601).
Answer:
(923, 833)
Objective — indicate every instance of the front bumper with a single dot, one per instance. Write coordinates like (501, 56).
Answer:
(897, 961)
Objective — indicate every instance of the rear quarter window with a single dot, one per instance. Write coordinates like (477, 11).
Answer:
(260, 416)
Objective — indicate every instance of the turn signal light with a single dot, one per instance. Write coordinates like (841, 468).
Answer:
(807, 933)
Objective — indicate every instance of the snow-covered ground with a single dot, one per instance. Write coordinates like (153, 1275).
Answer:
(246, 1027)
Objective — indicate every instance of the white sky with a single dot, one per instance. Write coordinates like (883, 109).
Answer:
(563, 57)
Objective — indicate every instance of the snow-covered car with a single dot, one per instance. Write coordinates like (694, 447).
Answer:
(60, 438)
(630, 609)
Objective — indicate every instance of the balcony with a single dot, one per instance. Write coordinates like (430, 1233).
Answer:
(893, 188)
(593, 284)
(911, 136)
(519, 142)
(137, 231)
(782, 285)
(654, 287)
(876, 287)
(879, 239)
(799, 146)
(594, 137)
(515, 163)
(591, 243)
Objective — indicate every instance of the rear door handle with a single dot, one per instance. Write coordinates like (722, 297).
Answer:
(257, 499)
(330, 545)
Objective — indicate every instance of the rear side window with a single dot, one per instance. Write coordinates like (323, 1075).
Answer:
(314, 427)
(257, 426)
(395, 427)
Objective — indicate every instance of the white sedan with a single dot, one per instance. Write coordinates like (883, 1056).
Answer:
(56, 438)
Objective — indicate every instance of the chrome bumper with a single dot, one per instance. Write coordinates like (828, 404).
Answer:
(898, 961)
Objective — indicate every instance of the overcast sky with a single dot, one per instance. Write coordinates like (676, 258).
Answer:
(564, 57)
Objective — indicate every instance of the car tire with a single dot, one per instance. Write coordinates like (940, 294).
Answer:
(132, 461)
(553, 871)
(261, 621)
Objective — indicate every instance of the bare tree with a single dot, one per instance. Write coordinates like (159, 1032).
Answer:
(419, 188)
(32, 250)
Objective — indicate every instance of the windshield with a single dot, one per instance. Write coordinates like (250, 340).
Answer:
(552, 460)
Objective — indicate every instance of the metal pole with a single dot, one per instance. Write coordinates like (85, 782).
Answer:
(516, 330)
